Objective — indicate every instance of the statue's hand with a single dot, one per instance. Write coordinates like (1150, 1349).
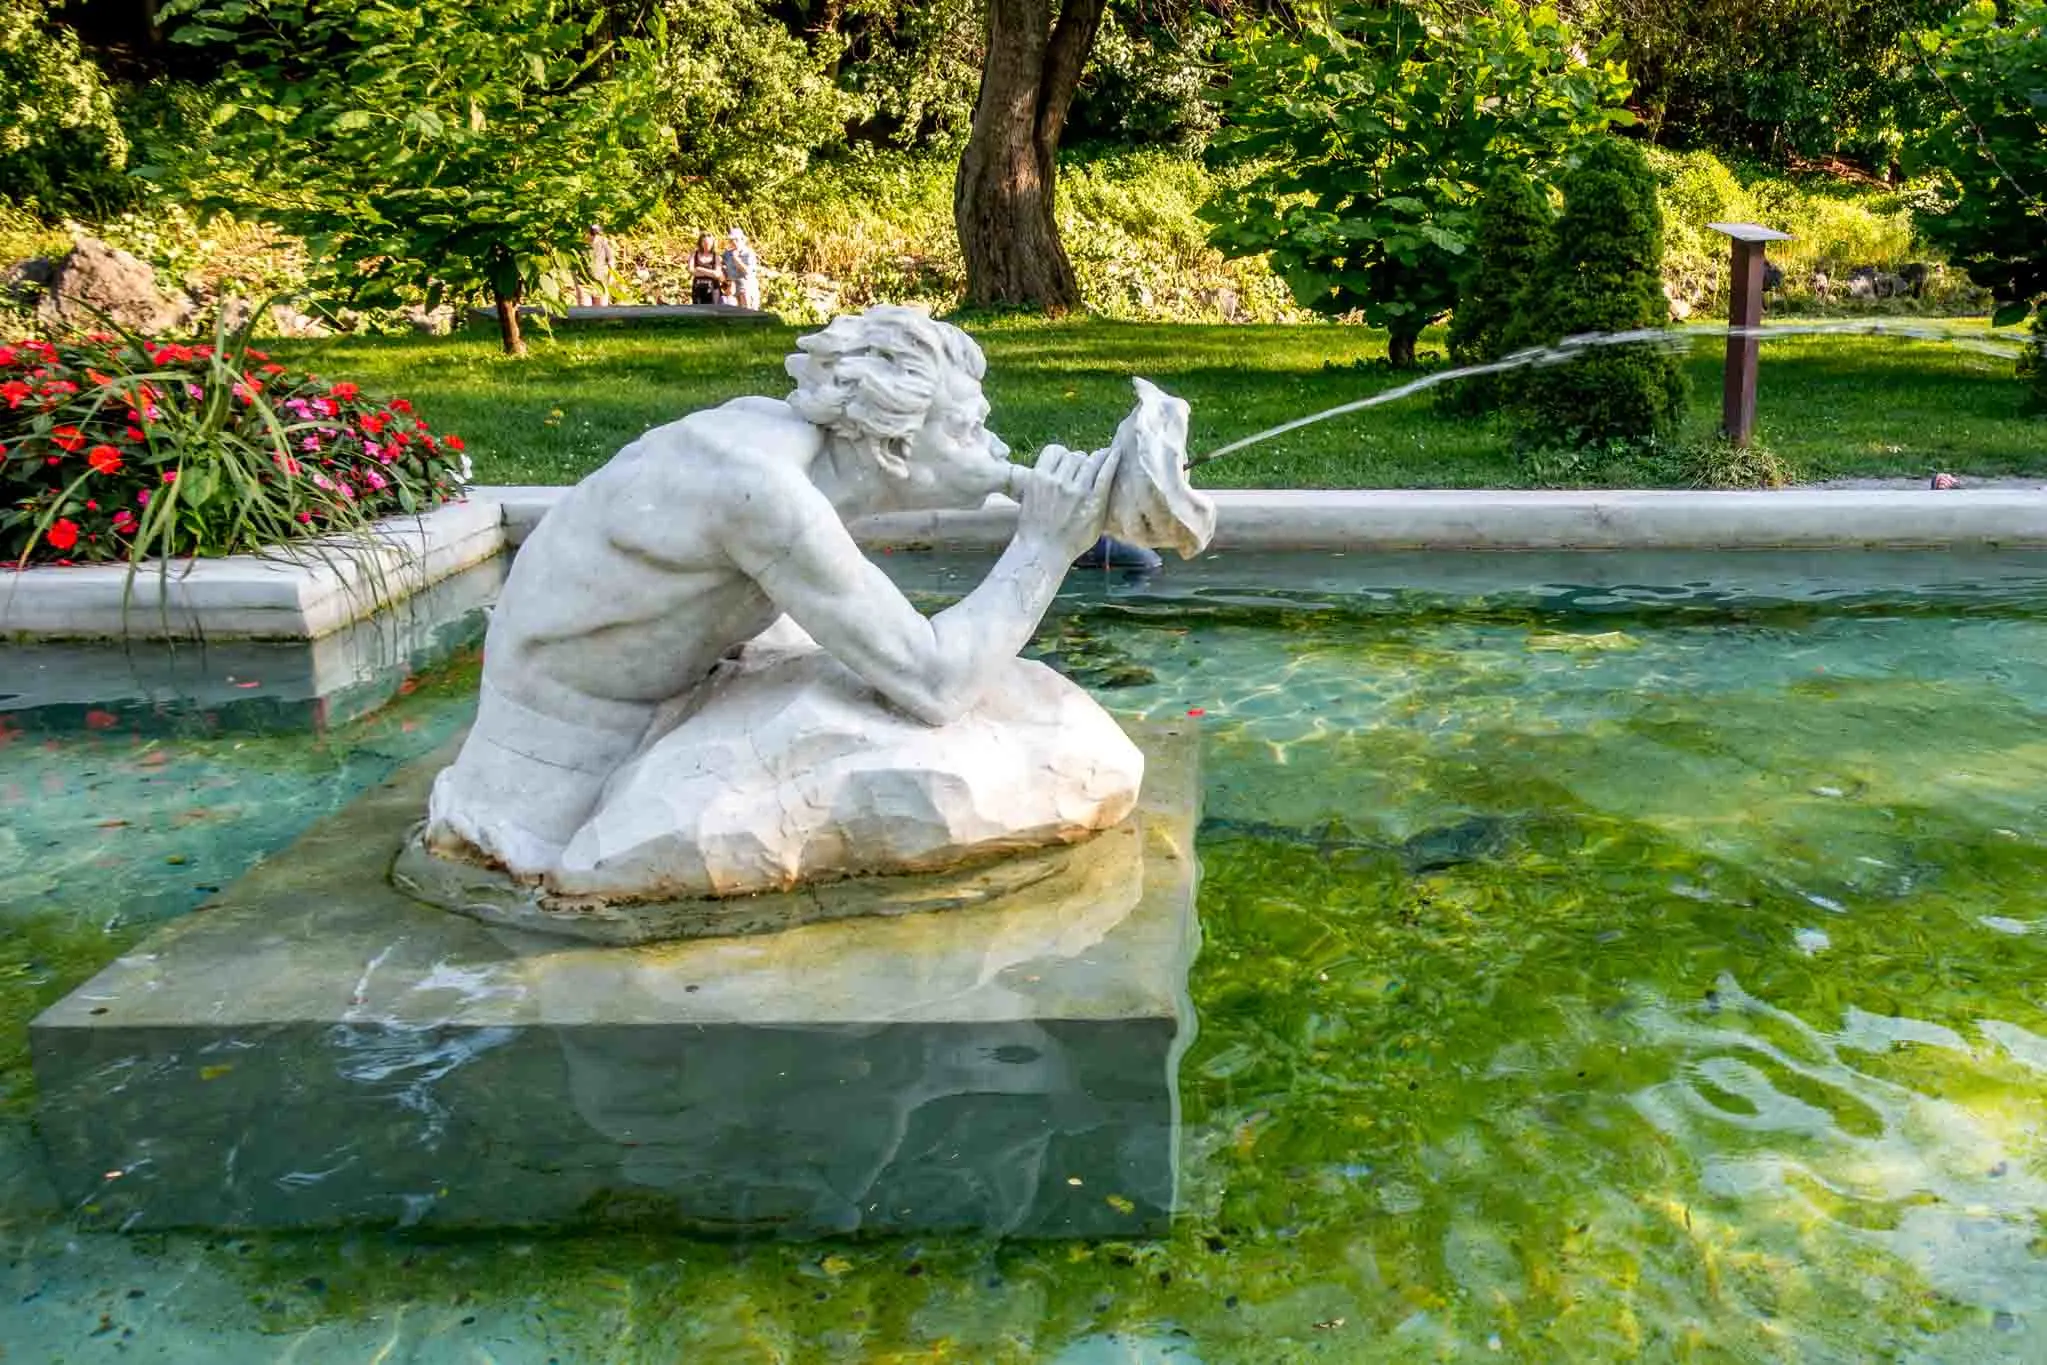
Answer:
(1067, 499)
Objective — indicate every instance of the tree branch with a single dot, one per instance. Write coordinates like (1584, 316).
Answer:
(1073, 37)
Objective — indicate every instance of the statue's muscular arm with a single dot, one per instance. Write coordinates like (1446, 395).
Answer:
(784, 534)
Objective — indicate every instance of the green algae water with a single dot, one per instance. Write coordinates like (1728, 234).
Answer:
(1603, 959)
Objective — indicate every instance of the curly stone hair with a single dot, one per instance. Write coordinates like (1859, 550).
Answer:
(873, 377)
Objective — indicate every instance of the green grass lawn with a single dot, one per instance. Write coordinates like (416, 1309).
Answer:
(1830, 406)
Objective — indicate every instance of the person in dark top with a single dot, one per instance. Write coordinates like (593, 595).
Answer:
(706, 271)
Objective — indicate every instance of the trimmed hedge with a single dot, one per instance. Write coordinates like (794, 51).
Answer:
(1603, 275)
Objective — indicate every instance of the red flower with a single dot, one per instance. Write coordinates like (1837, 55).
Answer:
(67, 438)
(453, 443)
(271, 368)
(344, 391)
(63, 535)
(400, 405)
(8, 355)
(96, 377)
(14, 390)
(137, 434)
(104, 459)
(255, 354)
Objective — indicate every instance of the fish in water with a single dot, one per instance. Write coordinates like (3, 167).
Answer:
(1472, 839)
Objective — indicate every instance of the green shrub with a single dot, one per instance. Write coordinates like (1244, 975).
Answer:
(117, 448)
(1603, 276)
(1716, 462)
(1515, 237)
(1837, 226)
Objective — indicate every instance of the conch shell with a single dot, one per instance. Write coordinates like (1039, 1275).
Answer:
(1151, 503)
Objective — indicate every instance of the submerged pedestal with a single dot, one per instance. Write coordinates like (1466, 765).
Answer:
(318, 1049)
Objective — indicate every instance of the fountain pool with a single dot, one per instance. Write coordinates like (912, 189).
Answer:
(1603, 957)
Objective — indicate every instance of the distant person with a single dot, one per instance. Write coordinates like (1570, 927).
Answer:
(743, 269)
(705, 272)
(727, 296)
(598, 290)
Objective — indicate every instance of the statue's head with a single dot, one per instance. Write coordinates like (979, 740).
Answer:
(907, 390)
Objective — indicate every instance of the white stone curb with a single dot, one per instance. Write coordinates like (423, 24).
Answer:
(1468, 519)
(301, 593)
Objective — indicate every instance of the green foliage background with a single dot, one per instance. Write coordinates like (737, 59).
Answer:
(62, 150)
(1989, 143)
(1372, 132)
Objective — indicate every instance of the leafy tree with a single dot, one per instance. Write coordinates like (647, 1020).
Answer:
(1990, 146)
(1374, 130)
(1147, 81)
(61, 147)
(913, 67)
(435, 146)
(1785, 82)
(750, 102)
(1604, 274)
(1516, 229)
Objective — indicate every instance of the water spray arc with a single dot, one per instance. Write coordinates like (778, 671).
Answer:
(2005, 344)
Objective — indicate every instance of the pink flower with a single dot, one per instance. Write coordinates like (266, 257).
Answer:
(142, 498)
(194, 392)
(321, 481)
(305, 517)
(170, 476)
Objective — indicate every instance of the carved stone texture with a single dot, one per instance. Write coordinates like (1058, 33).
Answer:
(1151, 503)
(97, 282)
(620, 753)
(788, 770)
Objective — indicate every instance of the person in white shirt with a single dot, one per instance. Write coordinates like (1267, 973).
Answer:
(742, 268)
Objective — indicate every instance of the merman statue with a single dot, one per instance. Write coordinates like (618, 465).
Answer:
(697, 685)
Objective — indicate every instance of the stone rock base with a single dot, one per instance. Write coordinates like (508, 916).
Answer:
(318, 1049)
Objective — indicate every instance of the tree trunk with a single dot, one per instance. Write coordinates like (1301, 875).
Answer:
(1002, 200)
(508, 324)
(1400, 349)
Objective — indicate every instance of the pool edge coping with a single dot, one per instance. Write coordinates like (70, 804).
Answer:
(1500, 519)
(256, 597)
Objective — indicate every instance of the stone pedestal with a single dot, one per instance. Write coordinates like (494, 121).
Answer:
(318, 1049)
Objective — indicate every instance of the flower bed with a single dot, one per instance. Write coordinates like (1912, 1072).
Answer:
(117, 448)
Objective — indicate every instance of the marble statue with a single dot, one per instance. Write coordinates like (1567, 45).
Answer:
(696, 684)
